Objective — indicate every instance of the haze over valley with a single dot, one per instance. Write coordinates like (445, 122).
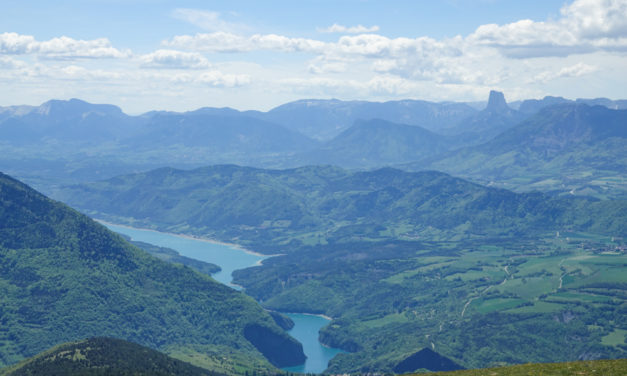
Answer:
(248, 191)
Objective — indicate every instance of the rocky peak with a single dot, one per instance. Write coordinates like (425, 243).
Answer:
(497, 103)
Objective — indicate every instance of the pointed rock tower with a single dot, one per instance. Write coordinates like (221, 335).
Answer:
(497, 103)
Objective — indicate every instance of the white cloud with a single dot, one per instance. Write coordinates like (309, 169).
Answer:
(75, 72)
(359, 29)
(16, 44)
(64, 47)
(576, 70)
(10, 63)
(229, 42)
(219, 79)
(585, 26)
(481, 58)
(207, 20)
(524, 58)
(377, 85)
(59, 48)
(327, 67)
(174, 60)
(597, 19)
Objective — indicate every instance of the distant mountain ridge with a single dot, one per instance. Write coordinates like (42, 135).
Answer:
(535, 105)
(496, 118)
(377, 142)
(325, 119)
(579, 146)
(73, 141)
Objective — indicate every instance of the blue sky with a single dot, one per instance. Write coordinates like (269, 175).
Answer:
(181, 55)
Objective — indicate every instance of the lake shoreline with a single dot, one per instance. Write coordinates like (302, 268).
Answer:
(309, 314)
(306, 325)
(193, 237)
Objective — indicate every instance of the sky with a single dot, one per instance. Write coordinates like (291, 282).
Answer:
(147, 55)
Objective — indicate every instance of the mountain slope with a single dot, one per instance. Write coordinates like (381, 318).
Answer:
(484, 125)
(576, 146)
(64, 277)
(104, 356)
(225, 134)
(261, 207)
(325, 119)
(72, 121)
(402, 261)
(76, 141)
(378, 143)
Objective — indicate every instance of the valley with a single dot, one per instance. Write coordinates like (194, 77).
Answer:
(517, 256)
(228, 258)
(403, 261)
(302, 188)
(65, 277)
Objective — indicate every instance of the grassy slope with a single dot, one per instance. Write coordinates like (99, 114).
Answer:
(616, 367)
(64, 277)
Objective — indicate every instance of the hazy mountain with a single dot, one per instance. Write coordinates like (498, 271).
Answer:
(620, 104)
(325, 119)
(496, 118)
(65, 277)
(67, 121)
(104, 356)
(75, 140)
(71, 141)
(218, 133)
(563, 147)
(6, 112)
(531, 106)
(378, 143)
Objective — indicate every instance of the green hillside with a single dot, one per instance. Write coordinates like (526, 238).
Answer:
(170, 255)
(585, 368)
(564, 148)
(318, 205)
(403, 261)
(480, 303)
(64, 277)
(104, 356)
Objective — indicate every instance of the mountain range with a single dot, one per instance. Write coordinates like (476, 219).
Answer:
(564, 148)
(462, 236)
(62, 142)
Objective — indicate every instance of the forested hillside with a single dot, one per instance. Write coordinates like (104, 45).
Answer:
(65, 277)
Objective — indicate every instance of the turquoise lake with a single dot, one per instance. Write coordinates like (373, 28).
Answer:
(228, 257)
(231, 258)
(306, 331)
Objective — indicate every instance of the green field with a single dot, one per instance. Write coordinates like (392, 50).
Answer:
(596, 367)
